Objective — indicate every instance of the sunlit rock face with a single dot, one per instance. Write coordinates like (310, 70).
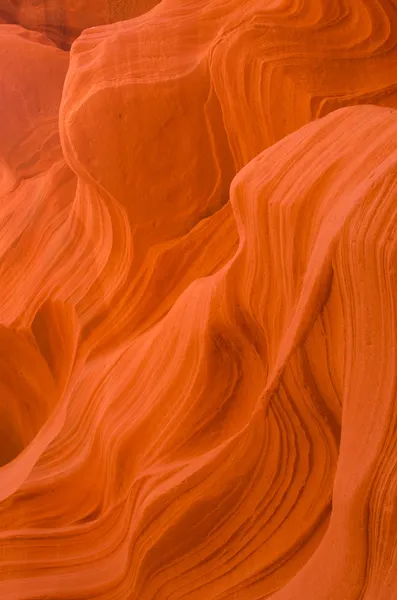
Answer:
(198, 275)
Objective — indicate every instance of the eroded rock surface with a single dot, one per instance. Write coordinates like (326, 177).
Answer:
(198, 241)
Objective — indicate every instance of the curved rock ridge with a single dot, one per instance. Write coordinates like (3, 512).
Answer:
(63, 21)
(197, 319)
(213, 76)
(169, 79)
(225, 449)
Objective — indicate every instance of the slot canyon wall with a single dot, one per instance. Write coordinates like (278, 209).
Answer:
(198, 308)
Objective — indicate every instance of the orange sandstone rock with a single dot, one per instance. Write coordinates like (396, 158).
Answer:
(63, 21)
(197, 319)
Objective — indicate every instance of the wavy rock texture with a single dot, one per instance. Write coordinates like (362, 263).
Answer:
(63, 21)
(198, 241)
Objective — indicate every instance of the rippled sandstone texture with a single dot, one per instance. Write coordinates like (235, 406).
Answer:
(63, 20)
(198, 313)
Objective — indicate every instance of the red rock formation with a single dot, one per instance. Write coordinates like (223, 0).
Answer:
(63, 20)
(197, 319)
